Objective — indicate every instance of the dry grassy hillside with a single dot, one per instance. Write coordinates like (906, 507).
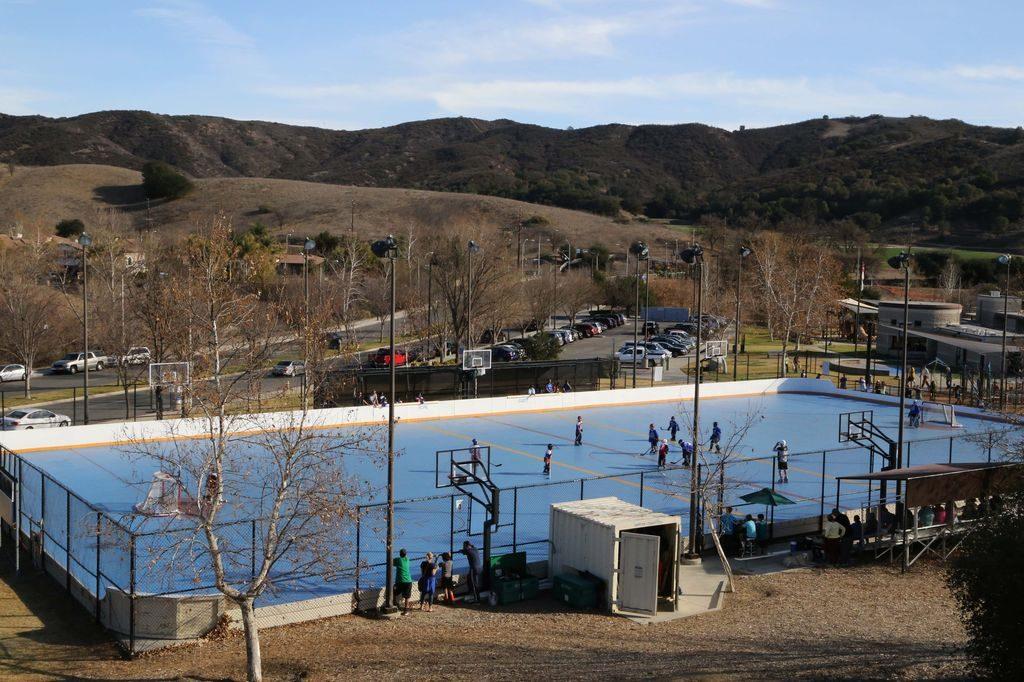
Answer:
(38, 197)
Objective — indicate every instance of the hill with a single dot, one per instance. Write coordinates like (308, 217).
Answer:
(895, 177)
(36, 198)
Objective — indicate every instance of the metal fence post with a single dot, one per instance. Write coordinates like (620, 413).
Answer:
(990, 447)
(581, 488)
(641, 488)
(99, 543)
(950, 449)
(131, 596)
(821, 513)
(515, 516)
(359, 527)
(252, 555)
(451, 525)
(74, 404)
(67, 541)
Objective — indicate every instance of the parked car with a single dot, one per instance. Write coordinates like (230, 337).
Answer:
(573, 334)
(587, 329)
(382, 358)
(506, 353)
(651, 328)
(654, 350)
(626, 354)
(136, 355)
(677, 349)
(564, 336)
(289, 368)
(13, 373)
(27, 418)
(72, 363)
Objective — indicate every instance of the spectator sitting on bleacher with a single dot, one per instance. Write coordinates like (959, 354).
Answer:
(762, 534)
(925, 517)
(727, 528)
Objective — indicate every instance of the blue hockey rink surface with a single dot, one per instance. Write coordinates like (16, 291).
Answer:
(615, 442)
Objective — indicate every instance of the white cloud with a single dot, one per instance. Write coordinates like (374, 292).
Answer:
(560, 35)
(989, 72)
(794, 96)
(197, 23)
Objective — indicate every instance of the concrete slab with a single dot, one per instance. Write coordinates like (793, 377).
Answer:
(703, 587)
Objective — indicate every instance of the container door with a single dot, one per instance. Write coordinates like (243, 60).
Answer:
(638, 573)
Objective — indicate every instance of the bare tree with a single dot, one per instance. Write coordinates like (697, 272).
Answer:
(950, 280)
(451, 278)
(31, 326)
(575, 290)
(296, 489)
(716, 485)
(797, 281)
(294, 492)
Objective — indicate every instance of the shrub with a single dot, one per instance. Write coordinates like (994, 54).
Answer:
(70, 228)
(542, 346)
(987, 579)
(160, 181)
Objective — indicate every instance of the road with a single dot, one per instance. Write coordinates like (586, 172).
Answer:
(111, 406)
(106, 402)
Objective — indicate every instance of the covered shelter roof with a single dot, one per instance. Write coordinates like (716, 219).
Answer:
(863, 307)
(939, 483)
(980, 347)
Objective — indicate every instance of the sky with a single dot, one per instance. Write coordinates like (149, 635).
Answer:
(560, 63)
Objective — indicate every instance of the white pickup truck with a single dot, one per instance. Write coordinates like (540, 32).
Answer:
(73, 363)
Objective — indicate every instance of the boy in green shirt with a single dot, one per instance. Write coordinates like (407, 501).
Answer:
(403, 580)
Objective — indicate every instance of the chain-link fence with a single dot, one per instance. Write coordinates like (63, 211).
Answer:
(150, 581)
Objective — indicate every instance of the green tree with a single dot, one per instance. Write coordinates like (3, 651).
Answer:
(542, 346)
(987, 579)
(160, 181)
(70, 228)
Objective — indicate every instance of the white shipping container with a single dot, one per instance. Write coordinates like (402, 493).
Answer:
(622, 544)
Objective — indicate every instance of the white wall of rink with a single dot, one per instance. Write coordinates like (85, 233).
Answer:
(120, 432)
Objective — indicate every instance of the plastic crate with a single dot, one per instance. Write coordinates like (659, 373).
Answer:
(513, 590)
(576, 590)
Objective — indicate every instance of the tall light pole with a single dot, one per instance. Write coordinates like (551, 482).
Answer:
(471, 248)
(902, 262)
(638, 249)
(307, 246)
(1004, 260)
(647, 295)
(743, 253)
(388, 248)
(694, 255)
(85, 241)
(430, 299)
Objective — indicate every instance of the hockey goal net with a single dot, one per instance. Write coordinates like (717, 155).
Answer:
(940, 414)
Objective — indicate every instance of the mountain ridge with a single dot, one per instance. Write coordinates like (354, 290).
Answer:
(932, 176)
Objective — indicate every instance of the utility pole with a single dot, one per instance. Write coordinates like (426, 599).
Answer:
(85, 241)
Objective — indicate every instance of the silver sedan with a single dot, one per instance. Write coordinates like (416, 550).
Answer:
(33, 419)
(13, 373)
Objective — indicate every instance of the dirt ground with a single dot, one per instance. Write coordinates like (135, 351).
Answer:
(869, 622)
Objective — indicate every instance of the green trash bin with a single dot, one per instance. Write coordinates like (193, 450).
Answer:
(509, 580)
(577, 591)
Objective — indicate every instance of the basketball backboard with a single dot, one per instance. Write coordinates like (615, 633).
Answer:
(170, 374)
(478, 359)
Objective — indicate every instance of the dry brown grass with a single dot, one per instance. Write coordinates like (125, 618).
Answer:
(869, 622)
(38, 197)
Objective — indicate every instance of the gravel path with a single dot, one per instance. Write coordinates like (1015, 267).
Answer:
(869, 622)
